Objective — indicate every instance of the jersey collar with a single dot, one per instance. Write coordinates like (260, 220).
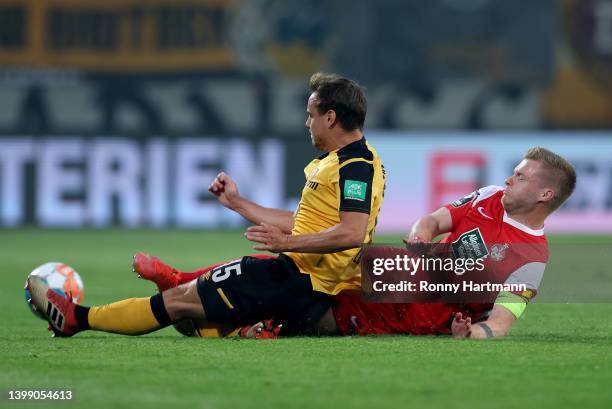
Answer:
(521, 226)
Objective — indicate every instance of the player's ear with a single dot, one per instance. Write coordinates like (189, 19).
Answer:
(331, 118)
(547, 195)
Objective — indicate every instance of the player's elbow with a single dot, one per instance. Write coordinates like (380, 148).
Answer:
(352, 237)
(352, 230)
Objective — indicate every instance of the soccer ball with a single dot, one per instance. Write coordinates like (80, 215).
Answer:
(61, 278)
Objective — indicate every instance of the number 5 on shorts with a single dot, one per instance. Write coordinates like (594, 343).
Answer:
(225, 271)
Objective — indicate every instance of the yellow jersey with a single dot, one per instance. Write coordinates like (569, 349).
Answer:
(350, 179)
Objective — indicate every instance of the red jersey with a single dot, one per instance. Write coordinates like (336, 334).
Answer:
(481, 229)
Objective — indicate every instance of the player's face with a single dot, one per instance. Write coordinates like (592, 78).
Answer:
(523, 190)
(317, 123)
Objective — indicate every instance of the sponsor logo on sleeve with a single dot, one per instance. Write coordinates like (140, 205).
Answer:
(355, 190)
(464, 200)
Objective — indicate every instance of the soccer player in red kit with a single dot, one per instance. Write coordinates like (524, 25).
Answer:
(492, 221)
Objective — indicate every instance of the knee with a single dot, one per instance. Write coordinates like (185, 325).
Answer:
(180, 302)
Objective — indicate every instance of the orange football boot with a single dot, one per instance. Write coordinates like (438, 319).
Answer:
(153, 269)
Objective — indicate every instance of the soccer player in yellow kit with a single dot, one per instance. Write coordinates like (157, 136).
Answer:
(319, 244)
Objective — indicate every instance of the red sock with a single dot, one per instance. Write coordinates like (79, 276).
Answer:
(186, 277)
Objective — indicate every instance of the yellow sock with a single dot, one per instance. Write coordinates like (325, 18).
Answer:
(133, 316)
(209, 330)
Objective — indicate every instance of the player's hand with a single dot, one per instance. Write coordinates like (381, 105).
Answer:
(225, 189)
(271, 238)
(265, 329)
(411, 239)
(461, 328)
(414, 239)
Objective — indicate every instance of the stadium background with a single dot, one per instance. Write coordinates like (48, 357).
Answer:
(115, 115)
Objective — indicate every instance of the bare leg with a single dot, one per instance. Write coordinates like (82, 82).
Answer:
(184, 302)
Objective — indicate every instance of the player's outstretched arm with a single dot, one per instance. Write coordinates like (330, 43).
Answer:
(497, 325)
(227, 192)
(349, 233)
(429, 227)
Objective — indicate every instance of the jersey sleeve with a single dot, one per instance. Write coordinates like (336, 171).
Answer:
(530, 275)
(459, 208)
(355, 184)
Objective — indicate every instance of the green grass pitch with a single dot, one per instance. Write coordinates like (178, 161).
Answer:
(557, 356)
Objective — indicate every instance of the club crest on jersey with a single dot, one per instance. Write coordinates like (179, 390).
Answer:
(464, 199)
(313, 173)
(470, 245)
(498, 251)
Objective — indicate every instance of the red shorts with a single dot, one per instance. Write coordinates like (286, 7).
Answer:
(354, 317)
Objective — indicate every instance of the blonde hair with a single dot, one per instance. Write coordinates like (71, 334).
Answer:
(560, 174)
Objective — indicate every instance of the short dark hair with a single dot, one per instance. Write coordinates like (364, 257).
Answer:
(560, 174)
(342, 95)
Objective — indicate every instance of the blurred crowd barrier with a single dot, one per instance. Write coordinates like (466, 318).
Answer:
(426, 171)
(159, 182)
(119, 112)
